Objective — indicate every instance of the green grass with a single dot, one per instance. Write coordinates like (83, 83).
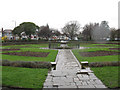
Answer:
(108, 75)
(29, 45)
(50, 58)
(97, 58)
(26, 77)
(96, 45)
(23, 77)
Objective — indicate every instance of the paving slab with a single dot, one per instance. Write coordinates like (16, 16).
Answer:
(65, 75)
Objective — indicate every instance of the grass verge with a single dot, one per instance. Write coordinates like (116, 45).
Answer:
(97, 58)
(23, 77)
(108, 75)
(97, 45)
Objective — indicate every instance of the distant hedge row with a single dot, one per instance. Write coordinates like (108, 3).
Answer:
(27, 64)
(19, 42)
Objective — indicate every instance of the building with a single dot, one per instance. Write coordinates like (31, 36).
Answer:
(8, 34)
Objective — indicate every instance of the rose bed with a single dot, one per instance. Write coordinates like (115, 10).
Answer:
(98, 53)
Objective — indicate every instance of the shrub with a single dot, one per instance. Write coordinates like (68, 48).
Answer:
(4, 38)
(102, 64)
(27, 64)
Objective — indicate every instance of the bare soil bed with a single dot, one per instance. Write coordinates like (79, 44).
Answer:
(9, 49)
(29, 53)
(114, 48)
(98, 53)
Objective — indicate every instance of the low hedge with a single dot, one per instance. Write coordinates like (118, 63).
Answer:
(102, 64)
(27, 64)
(19, 42)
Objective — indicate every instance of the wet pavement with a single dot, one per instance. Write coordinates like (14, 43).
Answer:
(66, 76)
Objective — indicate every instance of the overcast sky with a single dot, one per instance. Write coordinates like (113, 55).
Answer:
(57, 12)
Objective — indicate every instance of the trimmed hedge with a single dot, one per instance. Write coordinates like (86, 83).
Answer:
(102, 64)
(27, 64)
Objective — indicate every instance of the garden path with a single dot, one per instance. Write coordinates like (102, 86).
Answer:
(65, 75)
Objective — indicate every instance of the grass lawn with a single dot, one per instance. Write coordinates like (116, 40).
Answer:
(108, 75)
(26, 77)
(23, 77)
(97, 45)
(97, 58)
(50, 58)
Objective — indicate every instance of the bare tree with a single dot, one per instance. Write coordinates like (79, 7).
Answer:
(44, 32)
(87, 31)
(118, 34)
(113, 34)
(71, 29)
(55, 32)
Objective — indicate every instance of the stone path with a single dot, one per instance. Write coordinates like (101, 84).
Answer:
(65, 75)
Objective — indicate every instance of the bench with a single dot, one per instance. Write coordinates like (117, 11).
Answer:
(84, 64)
(53, 65)
(82, 71)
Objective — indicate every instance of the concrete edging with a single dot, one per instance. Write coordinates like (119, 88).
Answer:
(75, 59)
(56, 60)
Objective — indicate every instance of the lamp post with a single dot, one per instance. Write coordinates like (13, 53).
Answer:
(14, 37)
(14, 21)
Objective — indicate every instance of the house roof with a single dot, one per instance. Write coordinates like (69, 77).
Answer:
(7, 30)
